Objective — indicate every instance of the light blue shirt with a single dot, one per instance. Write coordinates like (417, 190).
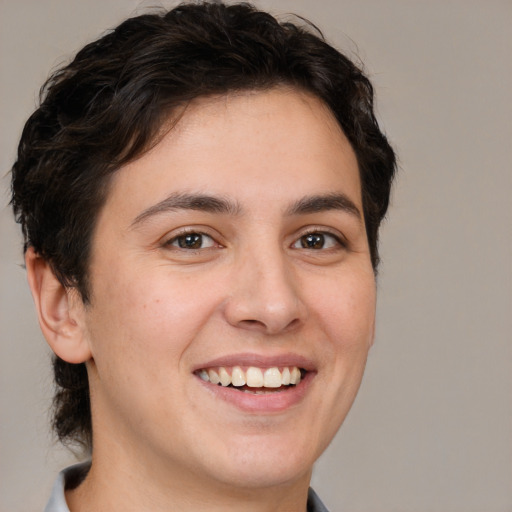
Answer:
(58, 503)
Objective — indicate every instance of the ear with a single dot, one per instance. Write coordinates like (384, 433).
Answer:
(60, 310)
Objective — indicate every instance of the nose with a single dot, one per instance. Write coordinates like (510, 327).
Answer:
(265, 296)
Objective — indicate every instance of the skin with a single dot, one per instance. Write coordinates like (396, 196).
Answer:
(253, 286)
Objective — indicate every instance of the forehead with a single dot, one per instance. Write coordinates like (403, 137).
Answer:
(238, 144)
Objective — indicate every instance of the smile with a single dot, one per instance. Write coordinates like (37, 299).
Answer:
(253, 379)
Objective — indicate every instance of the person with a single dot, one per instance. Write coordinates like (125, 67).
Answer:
(200, 193)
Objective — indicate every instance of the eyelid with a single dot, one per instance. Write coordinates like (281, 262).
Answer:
(167, 240)
(174, 242)
(322, 230)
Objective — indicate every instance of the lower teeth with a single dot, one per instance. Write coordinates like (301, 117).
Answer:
(258, 391)
(262, 391)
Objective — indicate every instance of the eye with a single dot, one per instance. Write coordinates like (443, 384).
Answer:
(316, 241)
(191, 241)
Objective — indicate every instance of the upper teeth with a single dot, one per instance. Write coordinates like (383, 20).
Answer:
(253, 376)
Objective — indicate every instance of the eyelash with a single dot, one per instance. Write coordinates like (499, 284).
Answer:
(175, 240)
(339, 241)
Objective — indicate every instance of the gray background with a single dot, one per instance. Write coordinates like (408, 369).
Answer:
(431, 430)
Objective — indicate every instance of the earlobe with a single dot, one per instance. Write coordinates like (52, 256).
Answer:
(60, 311)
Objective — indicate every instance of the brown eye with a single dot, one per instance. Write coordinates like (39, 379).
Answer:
(192, 241)
(312, 241)
(316, 241)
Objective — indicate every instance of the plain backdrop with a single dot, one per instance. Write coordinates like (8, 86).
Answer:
(431, 430)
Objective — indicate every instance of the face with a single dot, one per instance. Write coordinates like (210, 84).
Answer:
(235, 250)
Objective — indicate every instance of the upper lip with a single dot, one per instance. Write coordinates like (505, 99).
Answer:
(260, 361)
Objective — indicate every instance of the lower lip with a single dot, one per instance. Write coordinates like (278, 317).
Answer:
(272, 402)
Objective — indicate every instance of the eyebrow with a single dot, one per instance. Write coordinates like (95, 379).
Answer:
(182, 201)
(213, 204)
(321, 203)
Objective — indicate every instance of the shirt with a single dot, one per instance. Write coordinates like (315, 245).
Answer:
(58, 503)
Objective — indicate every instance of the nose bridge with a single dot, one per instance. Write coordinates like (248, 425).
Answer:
(265, 296)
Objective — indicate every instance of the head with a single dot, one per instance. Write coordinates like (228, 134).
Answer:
(125, 93)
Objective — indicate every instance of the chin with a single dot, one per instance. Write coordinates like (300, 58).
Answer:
(265, 474)
(267, 461)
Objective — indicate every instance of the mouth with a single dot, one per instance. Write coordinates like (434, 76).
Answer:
(253, 379)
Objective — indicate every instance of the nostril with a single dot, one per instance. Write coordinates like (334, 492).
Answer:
(251, 323)
(269, 328)
(294, 323)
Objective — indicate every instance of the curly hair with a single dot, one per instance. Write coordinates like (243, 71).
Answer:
(106, 107)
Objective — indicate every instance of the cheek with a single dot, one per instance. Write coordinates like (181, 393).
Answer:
(147, 315)
(346, 309)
